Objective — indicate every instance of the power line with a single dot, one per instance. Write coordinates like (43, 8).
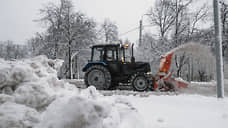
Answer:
(122, 34)
(131, 30)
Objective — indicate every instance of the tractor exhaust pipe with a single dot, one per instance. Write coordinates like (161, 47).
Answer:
(132, 54)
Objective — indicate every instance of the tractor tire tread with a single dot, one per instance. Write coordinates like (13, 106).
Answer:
(133, 77)
(107, 75)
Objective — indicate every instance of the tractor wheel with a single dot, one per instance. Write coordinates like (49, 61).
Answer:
(98, 76)
(139, 82)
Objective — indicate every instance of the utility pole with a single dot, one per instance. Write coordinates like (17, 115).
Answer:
(141, 28)
(176, 23)
(218, 45)
(140, 32)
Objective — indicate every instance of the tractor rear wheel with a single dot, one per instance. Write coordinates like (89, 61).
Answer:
(139, 82)
(98, 76)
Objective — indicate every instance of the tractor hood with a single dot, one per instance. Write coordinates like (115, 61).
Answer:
(142, 67)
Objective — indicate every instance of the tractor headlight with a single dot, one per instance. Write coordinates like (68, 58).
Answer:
(122, 59)
(148, 73)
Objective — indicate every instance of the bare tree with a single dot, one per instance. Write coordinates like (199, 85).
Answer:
(199, 15)
(162, 16)
(52, 17)
(224, 16)
(180, 62)
(110, 31)
(180, 12)
(185, 26)
(9, 50)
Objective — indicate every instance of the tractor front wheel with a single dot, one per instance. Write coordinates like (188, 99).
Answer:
(98, 76)
(139, 82)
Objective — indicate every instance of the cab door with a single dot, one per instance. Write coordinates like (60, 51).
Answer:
(112, 60)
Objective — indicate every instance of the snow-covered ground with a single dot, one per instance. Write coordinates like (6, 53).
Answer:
(182, 111)
(31, 96)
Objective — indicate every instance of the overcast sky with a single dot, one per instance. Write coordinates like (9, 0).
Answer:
(16, 16)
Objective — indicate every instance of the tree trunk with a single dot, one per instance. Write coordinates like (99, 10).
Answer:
(56, 50)
(179, 72)
(69, 52)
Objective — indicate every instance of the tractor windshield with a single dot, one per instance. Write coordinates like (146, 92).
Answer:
(124, 53)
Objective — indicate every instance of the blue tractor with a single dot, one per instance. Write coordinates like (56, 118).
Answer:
(109, 66)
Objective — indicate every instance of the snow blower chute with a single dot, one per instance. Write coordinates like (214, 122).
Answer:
(163, 80)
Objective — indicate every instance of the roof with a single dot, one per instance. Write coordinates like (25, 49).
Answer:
(106, 45)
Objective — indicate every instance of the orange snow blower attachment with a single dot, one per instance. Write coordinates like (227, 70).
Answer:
(165, 63)
(163, 78)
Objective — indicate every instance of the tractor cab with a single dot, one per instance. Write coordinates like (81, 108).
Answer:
(111, 64)
(109, 53)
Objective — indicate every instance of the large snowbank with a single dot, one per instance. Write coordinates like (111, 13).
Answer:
(91, 110)
(75, 112)
(33, 82)
(32, 96)
(14, 115)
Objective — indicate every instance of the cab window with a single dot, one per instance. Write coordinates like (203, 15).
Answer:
(98, 54)
(111, 54)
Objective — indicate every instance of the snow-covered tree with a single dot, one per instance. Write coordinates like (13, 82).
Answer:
(109, 31)
(66, 31)
(9, 50)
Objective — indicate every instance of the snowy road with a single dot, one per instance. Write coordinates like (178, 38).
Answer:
(196, 88)
(182, 111)
(194, 107)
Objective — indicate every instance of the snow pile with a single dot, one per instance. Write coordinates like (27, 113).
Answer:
(14, 115)
(12, 74)
(27, 87)
(91, 110)
(76, 112)
(33, 81)
(6, 98)
(181, 80)
(32, 96)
